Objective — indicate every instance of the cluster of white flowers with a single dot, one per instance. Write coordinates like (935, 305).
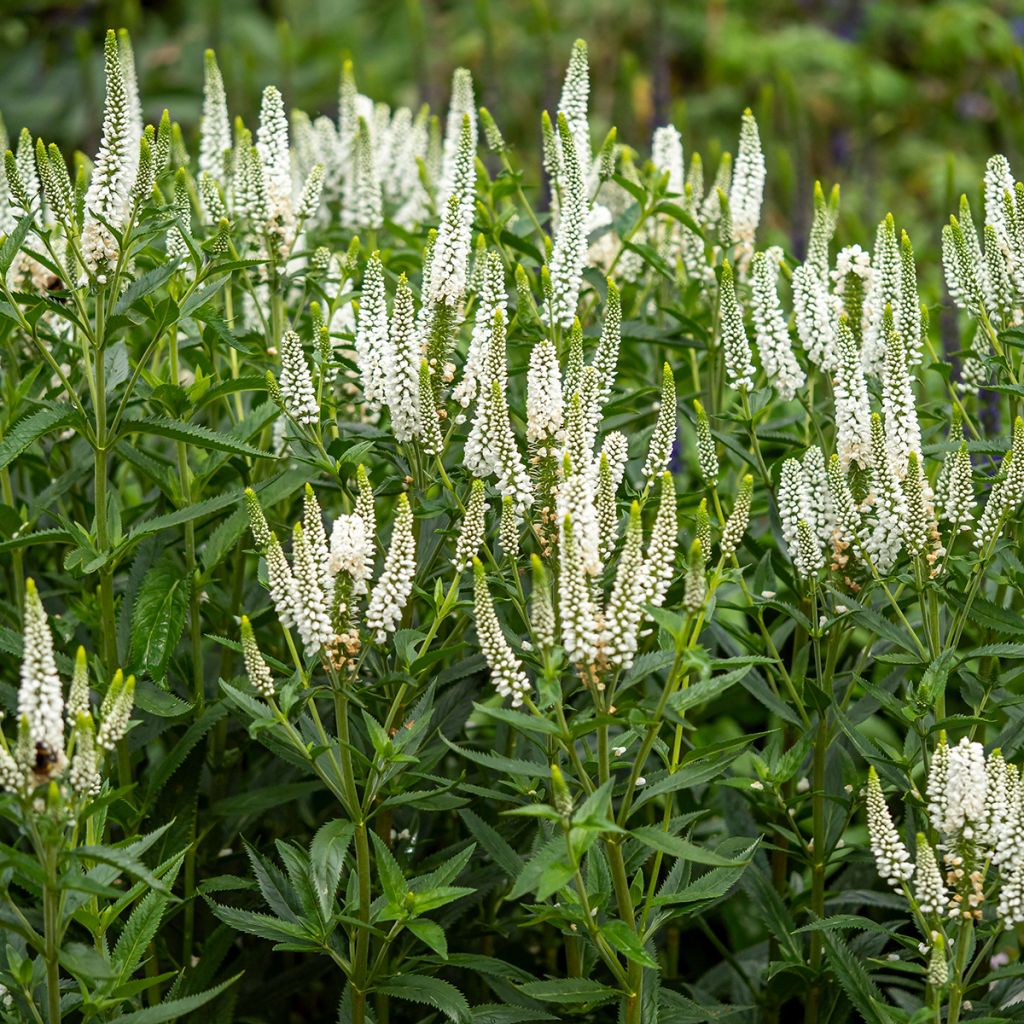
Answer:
(107, 200)
(771, 332)
(975, 805)
(40, 751)
(317, 592)
(506, 669)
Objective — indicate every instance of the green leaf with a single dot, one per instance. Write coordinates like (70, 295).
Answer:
(654, 838)
(867, 1000)
(327, 860)
(192, 433)
(263, 926)
(158, 619)
(419, 988)
(569, 990)
(30, 428)
(627, 942)
(174, 1009)
(13, 242)
(432, 934)
(119, 858)
(705, 690)
(391, 878)
(138, 933)
(500, 852)
(498, 762)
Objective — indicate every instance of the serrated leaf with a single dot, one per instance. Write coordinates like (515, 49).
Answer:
(158, 620)
(867, 999)
(32, 427)
(431, 934)
(627, 942)
(174, 1009)
(569, 990)
(193, 433)
(498, 762)
(419, 988)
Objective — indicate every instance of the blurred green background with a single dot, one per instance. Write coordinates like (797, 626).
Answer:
(900, 101)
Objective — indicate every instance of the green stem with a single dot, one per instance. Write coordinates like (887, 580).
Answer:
(51, 932)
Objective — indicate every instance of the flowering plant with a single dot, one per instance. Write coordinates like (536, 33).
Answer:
(507, 592)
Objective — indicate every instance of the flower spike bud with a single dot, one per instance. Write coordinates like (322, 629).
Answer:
(365, 502)
(746, 192)
(471, 536)
(214, 124)
(162, 144)
(625, 609)
(723, 221)
(569, 254)
(815, 326)
(696, 587)
(910, 325)
(542, 613)
(823, 226)
(929, 888)
(938, 963)
(574, 101)
(576, 611)
(429, 424)
(311, 603)
(739, 369)
(606, 356)
(958, 501)
(659, 565)
(84, 774)
(898, 404)
(919, 524)
(280, 583)
(664, 437)
(255, 666)
(114, 169)
(402, 367)
(492, 133)
(55, 182)
(771, 333)
(25, 161)
(309, 201)
(1006, 493)
(702, 528)
(853, 410)
(707, 454)
(116, 713)
(316, 536)
(261, 533)
(607, 513)
(963, 266)
(891, 856)
(508, 528)
(78, 696)
(394, 586)
(371, 340)
(506, 669)
(296, 382)
(560, 793)
(40, 695)
(738, 521)
(606, 156)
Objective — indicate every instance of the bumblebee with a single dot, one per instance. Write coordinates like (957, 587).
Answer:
(46, 761)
